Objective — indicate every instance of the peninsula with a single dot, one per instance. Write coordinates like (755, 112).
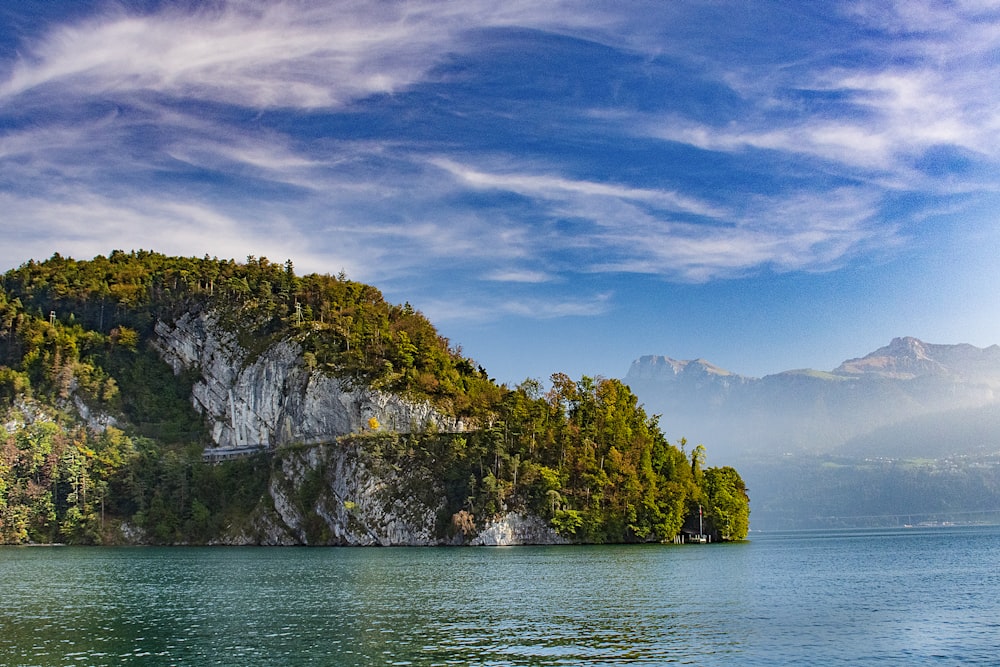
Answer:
(172, 400)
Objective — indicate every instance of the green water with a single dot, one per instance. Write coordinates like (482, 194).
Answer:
(895, 597)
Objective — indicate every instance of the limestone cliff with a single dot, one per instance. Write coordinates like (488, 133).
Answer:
(331, 482)
(272, 399)
(352, 493)
(515, 529)
(345, 494)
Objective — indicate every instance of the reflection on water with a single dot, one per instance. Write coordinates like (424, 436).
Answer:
(880, 598)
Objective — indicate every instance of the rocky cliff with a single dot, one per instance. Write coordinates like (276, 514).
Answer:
(335, 480)
(356, 493)
(345, 494)
(271, 399)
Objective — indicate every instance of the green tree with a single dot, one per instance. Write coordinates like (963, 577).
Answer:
(728, 502)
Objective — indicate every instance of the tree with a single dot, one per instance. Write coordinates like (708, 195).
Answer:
(728, 502)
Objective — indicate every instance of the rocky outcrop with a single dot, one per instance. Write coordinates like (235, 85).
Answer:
(350, 494)
(24, 412)
(517, 529)
(343, 494)
(271, 399)
(96, 420)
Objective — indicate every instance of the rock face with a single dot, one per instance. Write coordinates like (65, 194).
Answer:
(349, 494)
(272, 400)
(517, 529)
(324, 488)
(343, 495)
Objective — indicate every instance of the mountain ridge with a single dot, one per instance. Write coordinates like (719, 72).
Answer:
(905, 357)
(813, 410)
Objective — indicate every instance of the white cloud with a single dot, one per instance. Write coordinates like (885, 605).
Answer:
(548, 186)
(622, 229)
(933, 83)
(515, 275)
(491, 307)
(795, 232)
(268, 54)
(270, 58)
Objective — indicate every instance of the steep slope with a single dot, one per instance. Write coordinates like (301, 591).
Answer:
(272, 399)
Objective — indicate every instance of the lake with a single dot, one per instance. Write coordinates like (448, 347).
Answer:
(894, 597)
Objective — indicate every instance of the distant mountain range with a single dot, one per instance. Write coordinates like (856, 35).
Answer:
(909, 398)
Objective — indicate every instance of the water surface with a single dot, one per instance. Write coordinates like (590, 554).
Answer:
(902, 597)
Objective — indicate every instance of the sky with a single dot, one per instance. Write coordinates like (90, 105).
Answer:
(558, 186)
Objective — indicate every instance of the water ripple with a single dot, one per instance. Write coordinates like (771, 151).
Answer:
(835, 599)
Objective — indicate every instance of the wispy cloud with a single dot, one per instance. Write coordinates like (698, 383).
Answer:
(932, 84)
(628, 230)
(897, 116)
(181, 131)
(291, 53)
(491, 307)
(280, 54)
(515, 275)
(552, 187)
(804, 232)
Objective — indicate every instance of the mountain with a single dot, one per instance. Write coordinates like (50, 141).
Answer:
(815, 411)
(908, 433)
(909, 358)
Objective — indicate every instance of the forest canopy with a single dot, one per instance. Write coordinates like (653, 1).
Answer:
(75, 342)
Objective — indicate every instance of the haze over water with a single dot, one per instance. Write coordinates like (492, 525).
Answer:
(897, 597)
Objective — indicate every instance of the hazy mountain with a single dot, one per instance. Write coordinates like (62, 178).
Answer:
(815, 411)
(910, 358)
(905, 434)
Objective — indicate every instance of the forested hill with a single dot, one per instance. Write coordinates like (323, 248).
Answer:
(342, 325)
(102, 443)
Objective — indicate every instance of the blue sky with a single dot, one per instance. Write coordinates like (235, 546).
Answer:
(559, 186)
